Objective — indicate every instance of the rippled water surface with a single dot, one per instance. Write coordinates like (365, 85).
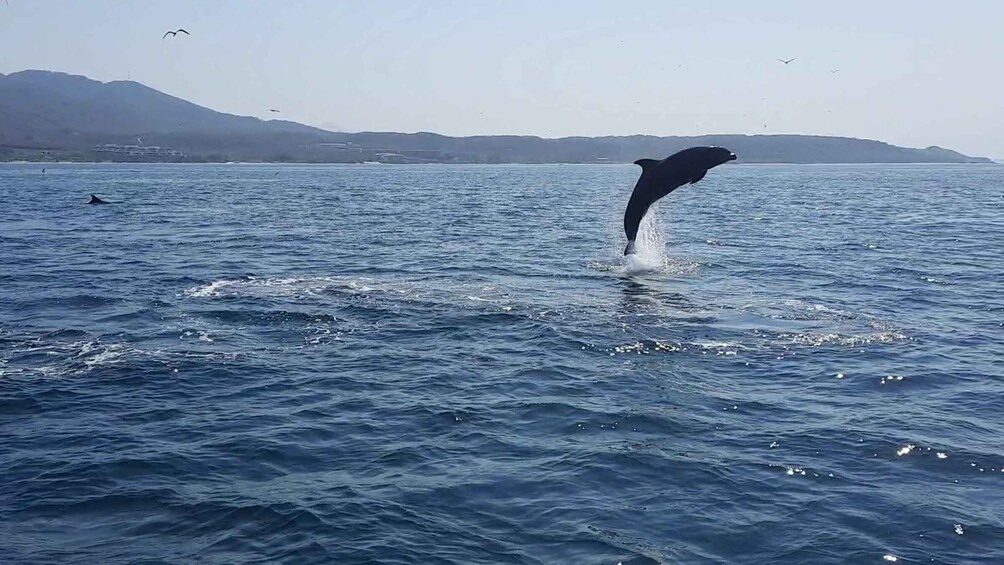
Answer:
(453, 364)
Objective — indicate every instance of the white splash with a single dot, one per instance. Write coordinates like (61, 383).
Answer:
(637, 263)
(274, 286)
(212, 289)
(102, 354)
(650, 247)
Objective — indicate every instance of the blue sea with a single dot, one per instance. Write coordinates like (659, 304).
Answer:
(455, 364)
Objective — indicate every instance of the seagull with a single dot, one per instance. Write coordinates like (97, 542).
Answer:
(174, 33)
(788, 61)
(273, 110)
(834, 71)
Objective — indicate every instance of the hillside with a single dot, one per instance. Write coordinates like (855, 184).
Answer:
(48, 115)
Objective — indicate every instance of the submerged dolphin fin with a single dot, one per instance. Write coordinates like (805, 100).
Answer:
(646, 164)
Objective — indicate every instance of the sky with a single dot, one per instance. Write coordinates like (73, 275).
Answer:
(910, 73)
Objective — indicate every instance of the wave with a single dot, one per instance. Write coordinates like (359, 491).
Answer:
(53, 355)
(331, 307)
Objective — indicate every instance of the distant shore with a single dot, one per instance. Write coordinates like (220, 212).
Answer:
(54, 163)
(51, 116)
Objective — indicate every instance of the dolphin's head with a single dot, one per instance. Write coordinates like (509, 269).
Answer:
(711, 157)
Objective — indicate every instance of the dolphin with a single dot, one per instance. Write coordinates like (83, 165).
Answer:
(95, 200)
(659, 178)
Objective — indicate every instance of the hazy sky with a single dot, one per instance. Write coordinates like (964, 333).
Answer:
(910, 73)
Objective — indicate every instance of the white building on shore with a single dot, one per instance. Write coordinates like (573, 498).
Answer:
(138, 150)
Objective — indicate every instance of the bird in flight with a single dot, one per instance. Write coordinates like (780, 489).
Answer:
(174, 33)
(788, 61)
(273, 110)
(834, 71)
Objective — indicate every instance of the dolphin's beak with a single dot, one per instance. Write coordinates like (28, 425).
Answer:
(732, 156)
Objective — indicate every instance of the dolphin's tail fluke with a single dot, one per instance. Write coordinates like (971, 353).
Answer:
(629, 250)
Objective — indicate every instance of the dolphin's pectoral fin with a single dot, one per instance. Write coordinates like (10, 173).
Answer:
(646, 164)
(698, 176)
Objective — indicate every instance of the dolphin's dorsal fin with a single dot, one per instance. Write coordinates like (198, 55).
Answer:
(646, 164)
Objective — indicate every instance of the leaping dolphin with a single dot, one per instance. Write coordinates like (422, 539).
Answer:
(659, 178)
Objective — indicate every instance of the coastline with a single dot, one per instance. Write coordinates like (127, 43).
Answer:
(566, 163)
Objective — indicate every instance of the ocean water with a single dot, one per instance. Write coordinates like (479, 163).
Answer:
(454, 364)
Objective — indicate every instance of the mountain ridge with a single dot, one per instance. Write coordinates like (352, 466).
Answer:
(47, 115)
